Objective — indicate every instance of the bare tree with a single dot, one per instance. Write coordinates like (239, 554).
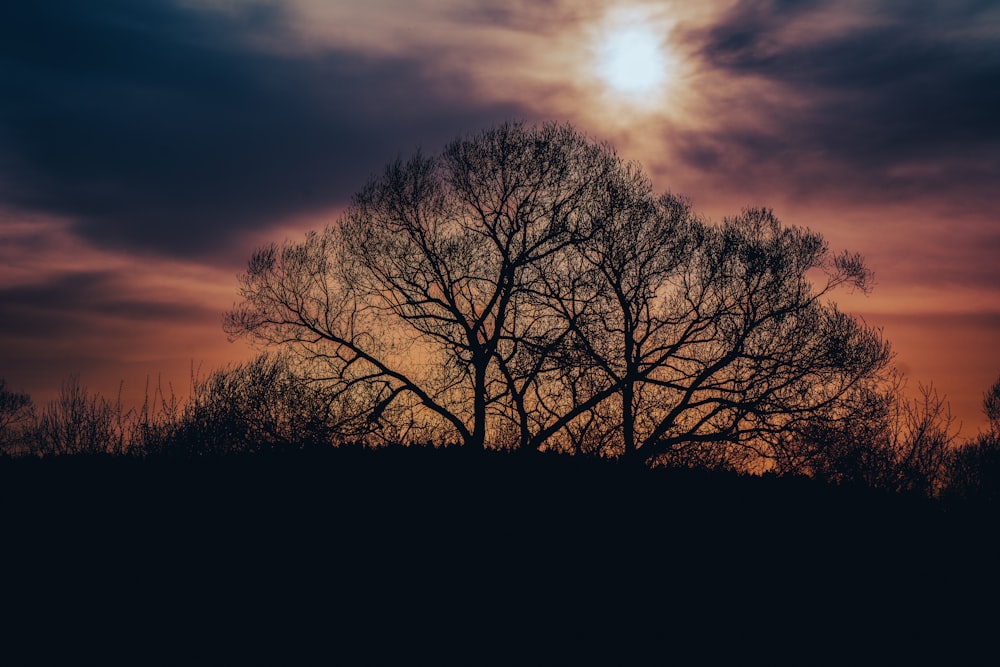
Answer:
(16, 412)
(719, 336)
(417, 301)
(923, 433)
(758, 349)
(991, 406)
(890, 441)
(78, 422)
(252, 406)
(973, 470)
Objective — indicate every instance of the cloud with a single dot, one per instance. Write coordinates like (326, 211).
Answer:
(163, 128)
(885, 100)
(88, 298)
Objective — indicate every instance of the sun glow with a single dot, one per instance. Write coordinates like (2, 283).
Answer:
(632, 61)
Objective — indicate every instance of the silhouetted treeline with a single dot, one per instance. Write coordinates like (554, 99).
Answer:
(903, 445)
(244, 407)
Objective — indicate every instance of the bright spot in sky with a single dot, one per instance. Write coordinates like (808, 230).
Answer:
(632, 61)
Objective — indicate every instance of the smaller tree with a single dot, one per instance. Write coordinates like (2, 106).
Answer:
(921, 441)
(888, 441)
(77, 422)
(974, 468)
(253, 406)
(16, 411)
(991, 406)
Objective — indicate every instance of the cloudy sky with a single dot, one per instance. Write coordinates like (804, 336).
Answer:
(147, 146)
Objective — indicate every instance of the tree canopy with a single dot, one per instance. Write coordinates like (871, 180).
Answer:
(526, 288)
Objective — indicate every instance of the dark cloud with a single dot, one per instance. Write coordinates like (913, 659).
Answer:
(161, 128)
(902, 99)
(73, 305)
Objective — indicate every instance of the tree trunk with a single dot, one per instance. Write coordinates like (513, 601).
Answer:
(478, 439)
(628, 419)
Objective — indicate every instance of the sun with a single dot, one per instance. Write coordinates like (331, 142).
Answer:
(632, 60)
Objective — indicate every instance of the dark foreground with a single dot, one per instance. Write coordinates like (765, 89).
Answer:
(426, 557)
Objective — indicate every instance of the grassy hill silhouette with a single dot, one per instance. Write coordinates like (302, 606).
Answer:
(423, 556)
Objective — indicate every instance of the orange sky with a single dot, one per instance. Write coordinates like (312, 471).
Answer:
(146, 148)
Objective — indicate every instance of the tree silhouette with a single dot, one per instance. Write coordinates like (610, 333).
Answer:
(79, 422)
(718, 336)
(16, 411)
(974, 468)
(248, 407)
(892, 442)
(420, 297)
(991, 406)
(526, 288)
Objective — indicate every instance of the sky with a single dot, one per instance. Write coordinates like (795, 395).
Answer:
(148, 146)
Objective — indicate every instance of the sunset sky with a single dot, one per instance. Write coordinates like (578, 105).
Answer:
(147, 146)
